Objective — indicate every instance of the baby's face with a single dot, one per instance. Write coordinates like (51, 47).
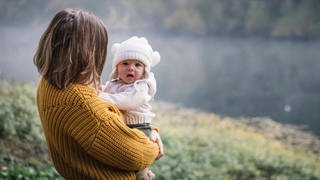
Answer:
(130, 70)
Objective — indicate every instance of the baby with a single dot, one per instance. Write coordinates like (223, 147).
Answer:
(131, 86)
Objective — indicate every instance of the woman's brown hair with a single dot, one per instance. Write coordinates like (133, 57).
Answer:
(72, 49)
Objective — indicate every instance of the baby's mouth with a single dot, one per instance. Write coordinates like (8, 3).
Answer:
(130, 75)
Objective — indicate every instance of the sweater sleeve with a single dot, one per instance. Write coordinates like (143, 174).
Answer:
(127, 149)
(113, 143)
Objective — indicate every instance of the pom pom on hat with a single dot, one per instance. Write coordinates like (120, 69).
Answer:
(114, 48)
(155, 58)
(134, 48)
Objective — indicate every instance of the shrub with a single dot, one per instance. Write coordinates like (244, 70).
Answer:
(18, 113)
(13, 168)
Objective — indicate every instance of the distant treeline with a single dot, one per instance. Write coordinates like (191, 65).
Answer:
(272, 18)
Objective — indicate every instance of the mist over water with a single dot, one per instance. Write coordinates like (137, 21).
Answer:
(228, 76)
(17, 47)
(245, 77)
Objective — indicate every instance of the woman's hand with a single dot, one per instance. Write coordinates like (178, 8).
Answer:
(155, 137)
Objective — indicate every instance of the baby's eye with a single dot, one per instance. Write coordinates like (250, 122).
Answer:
(125, 63)
(138, 65)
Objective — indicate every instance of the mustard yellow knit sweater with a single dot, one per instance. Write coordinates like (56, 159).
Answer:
(87, 137)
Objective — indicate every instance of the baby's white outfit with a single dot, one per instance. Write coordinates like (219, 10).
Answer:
(134, 99)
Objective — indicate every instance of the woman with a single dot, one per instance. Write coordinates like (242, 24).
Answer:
(86, 135)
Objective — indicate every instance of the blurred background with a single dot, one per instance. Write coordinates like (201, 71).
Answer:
(238, 58)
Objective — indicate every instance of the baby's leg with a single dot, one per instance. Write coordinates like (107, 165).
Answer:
(145, 174)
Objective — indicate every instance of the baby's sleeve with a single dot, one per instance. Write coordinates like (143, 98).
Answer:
(130, 99)
(152, 84)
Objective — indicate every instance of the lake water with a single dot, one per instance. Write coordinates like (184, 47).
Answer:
(228, 76)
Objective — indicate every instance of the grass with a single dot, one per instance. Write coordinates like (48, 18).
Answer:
(198, 145)
(206, 146)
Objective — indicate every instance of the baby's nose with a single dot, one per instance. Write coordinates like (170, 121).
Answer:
(131, 67)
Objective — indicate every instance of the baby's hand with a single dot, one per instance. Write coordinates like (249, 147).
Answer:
(155, 137)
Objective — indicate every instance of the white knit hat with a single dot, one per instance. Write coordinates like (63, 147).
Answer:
(134, 48)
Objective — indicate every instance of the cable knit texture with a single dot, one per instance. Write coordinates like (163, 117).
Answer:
(87, 137)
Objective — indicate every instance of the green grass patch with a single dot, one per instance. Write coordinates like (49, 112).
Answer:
(198, 145)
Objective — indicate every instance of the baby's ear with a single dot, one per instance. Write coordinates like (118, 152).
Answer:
(115, 48)
(155, 58)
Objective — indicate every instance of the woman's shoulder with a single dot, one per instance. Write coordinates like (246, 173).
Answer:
(83, 91)
(90, 98)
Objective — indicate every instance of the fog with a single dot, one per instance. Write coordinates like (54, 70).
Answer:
(230, 76)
